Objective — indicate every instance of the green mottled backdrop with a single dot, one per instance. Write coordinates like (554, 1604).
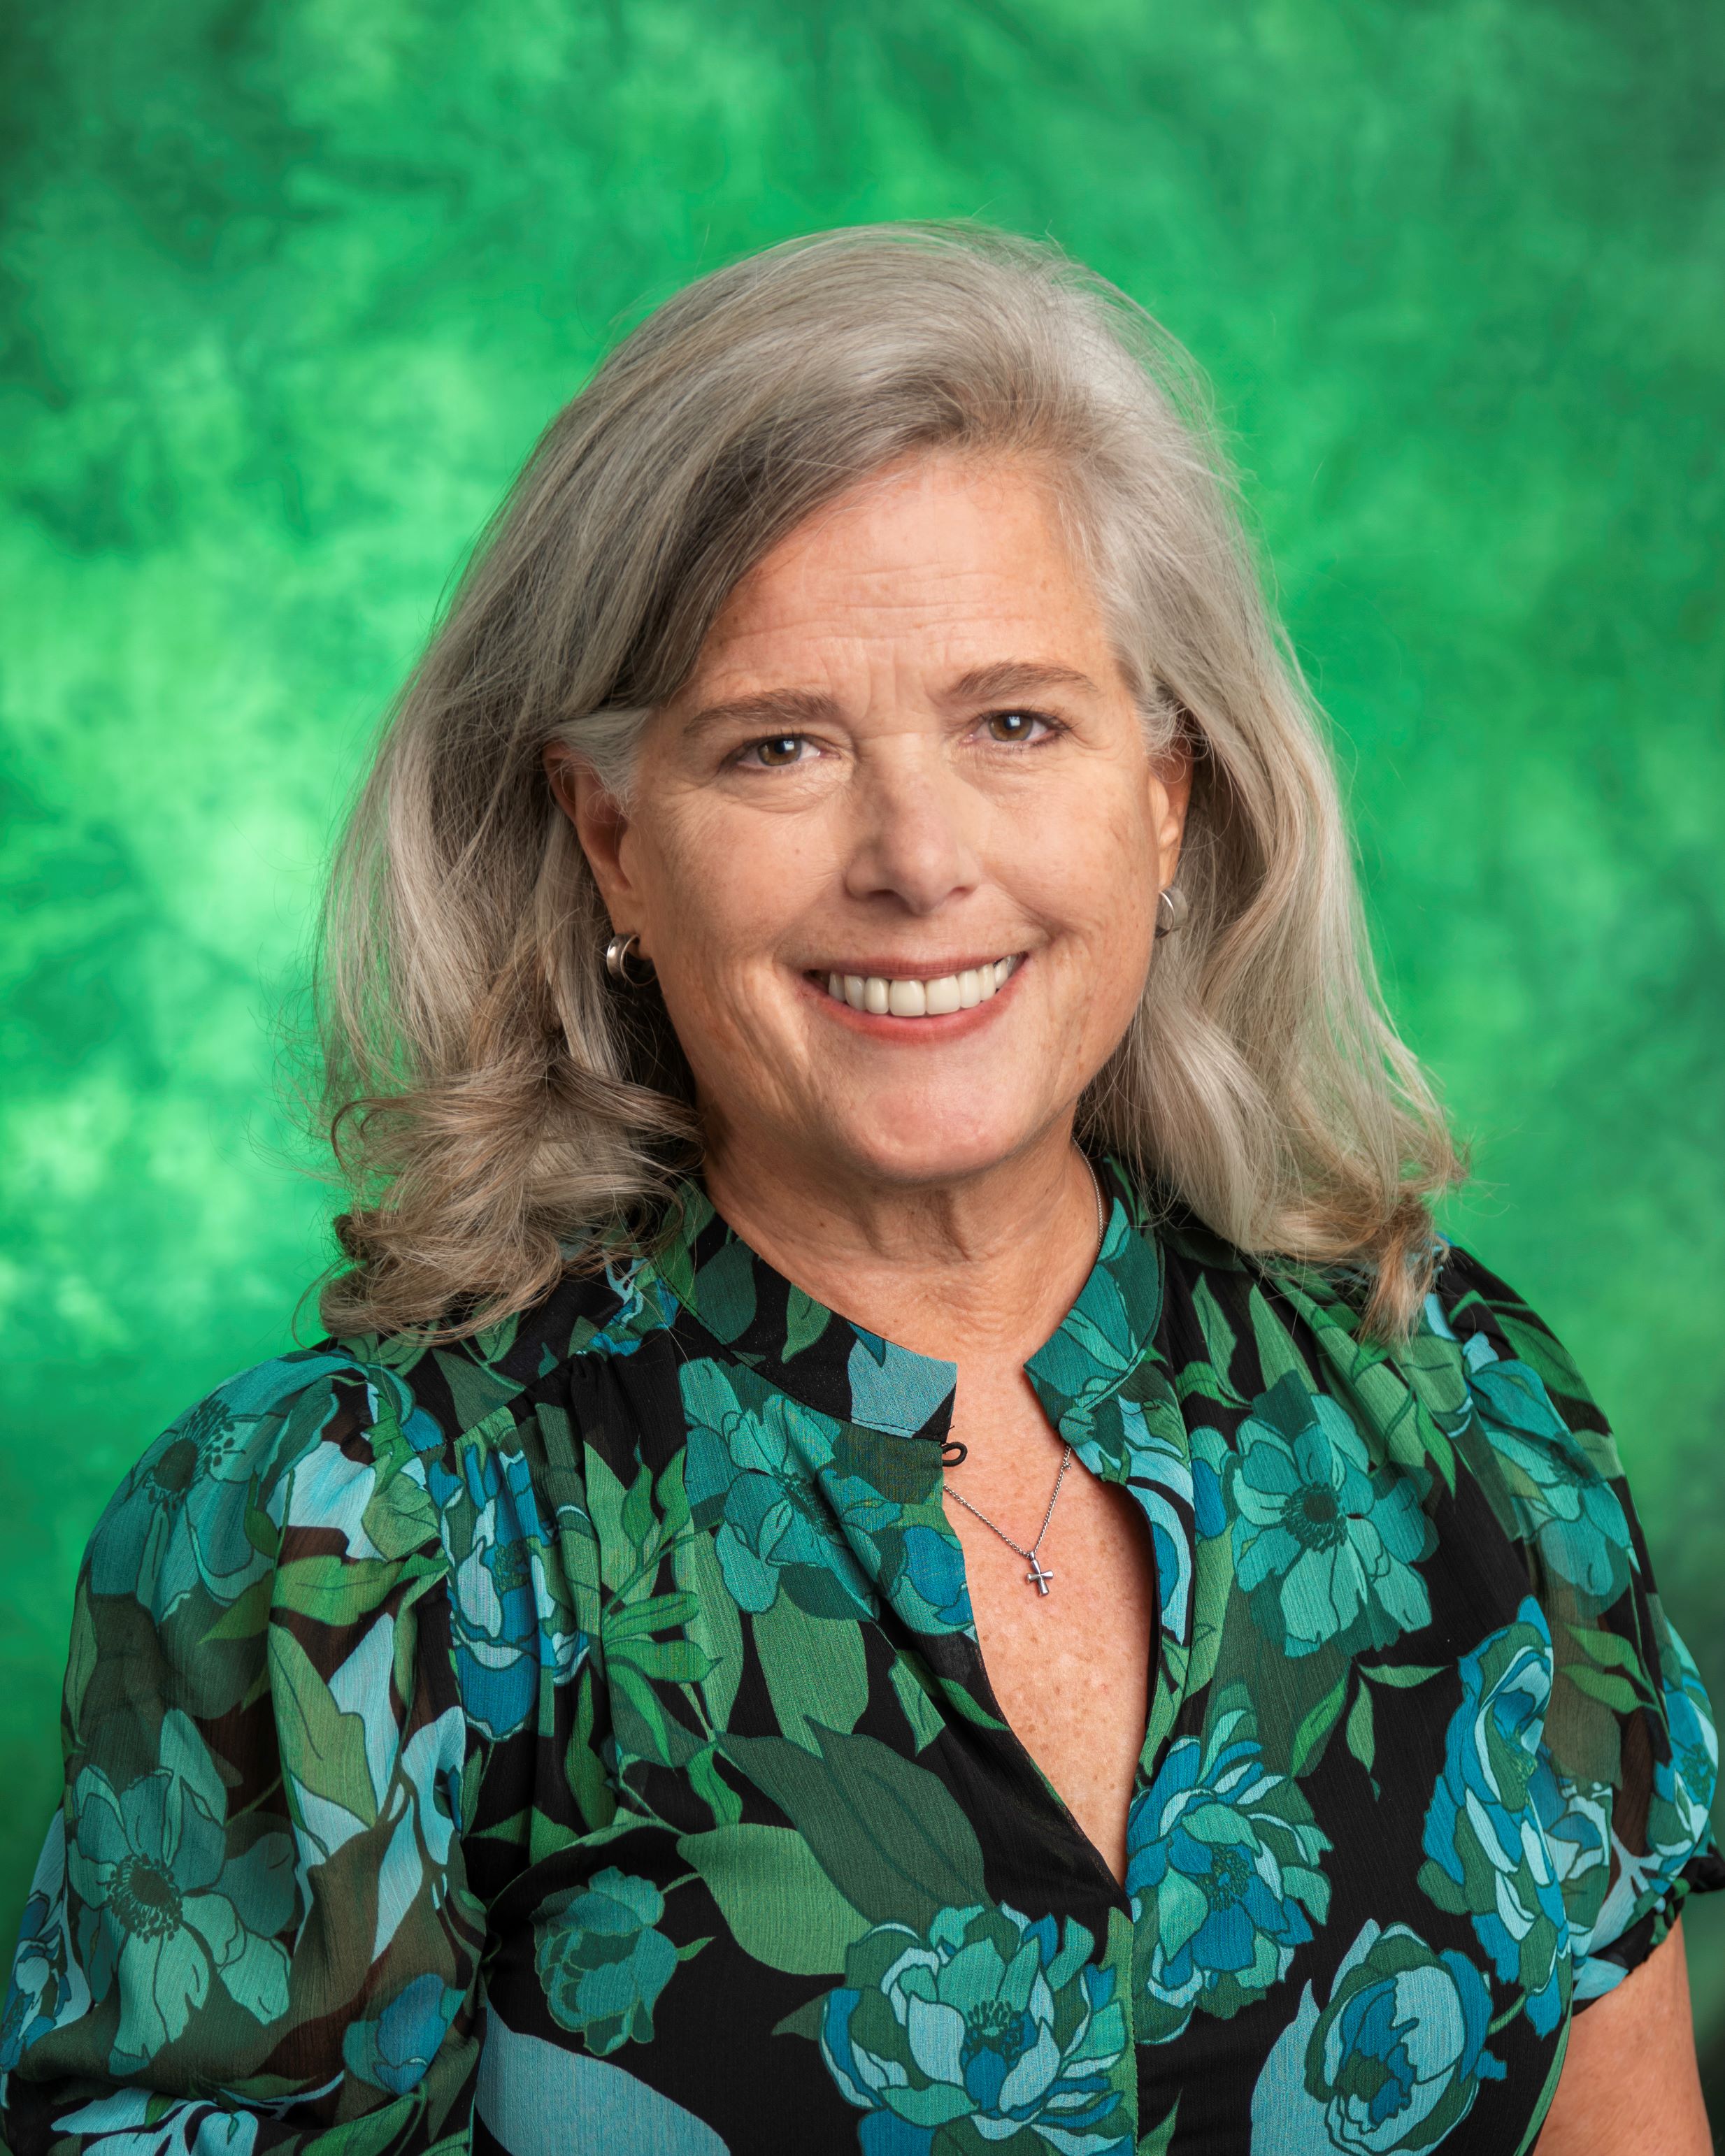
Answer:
(289, 289)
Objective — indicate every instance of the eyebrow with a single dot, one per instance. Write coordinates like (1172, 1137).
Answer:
(1014, 677)
(792, 709)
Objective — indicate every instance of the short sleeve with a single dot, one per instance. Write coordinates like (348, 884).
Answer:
(250, 1926)
(1629, 1757)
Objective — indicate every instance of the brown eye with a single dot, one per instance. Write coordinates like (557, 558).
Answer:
(1012, 727)
(776, 750)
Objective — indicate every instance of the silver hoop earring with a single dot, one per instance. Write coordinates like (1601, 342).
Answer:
(1171, 906)
(618, 952)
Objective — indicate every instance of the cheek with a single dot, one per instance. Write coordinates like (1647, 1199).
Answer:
(710, 895)
(1095, 869)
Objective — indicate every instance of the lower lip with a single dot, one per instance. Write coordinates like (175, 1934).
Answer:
(950, 1026)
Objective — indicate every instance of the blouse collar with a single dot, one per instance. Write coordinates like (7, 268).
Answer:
(838, 1367)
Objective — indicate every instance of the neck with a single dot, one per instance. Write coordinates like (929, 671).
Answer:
(984, 1264)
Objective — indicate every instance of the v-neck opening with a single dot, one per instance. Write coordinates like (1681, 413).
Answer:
(990, 1699)
(1141, 1773)
(1101, 1380)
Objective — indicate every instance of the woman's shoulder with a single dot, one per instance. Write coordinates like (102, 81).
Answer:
(352, 1438)
(1496, 1329)
(1479, 1361)
(312, 1438)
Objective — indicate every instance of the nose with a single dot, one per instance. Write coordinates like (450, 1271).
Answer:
(912, 840)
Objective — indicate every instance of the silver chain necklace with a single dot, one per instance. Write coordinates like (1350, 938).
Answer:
(1039, 1574)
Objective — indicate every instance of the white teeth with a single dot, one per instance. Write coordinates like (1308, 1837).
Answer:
(877, 993)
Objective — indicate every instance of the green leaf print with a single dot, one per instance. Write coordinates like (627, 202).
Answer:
(781, 1906)
(323, 1750)
(889, 1834)
(81, 1657)
(1611, 1651)
(1362, 1736)
(639, 1718)
(333, 1589)
(400, 1517)
(717, 1627)
(1158, 2141)
(593, 1795)
(1276, 1351)
(1402, 1675)
(910, 1682)
(1611, 1691)
(815, 1668)
(636, 1518)
(1313, 1733)
(724, 1291)
(709, 1785)
(1219, 1339)
(805, 1321)
(605, 1503)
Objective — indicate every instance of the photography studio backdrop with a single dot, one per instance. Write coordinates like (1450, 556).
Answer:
(289, 291)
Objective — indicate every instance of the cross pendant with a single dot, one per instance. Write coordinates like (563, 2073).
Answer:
(1039, 1575)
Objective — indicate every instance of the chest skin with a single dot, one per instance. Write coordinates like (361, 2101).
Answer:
(1069, 1669)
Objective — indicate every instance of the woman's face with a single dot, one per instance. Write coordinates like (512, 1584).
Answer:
(907, 773)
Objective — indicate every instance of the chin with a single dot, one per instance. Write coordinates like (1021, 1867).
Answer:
(908, 1143)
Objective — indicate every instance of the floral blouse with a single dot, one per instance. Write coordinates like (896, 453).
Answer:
(574, 1742)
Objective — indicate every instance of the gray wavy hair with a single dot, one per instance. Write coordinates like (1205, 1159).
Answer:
(500, 1112)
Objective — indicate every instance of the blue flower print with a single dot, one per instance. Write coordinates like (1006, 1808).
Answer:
(746, 1476)
(1562, 1501)
(1677, 1816)
(1324, 1546)
(422, 1796)
(1393, 2062)
(1160, 1476)
(165, 1907)
(393, 2050)
(645, 1306)
(507, 1627)
(934, 1568)
(601, 1961)
(989, 2029)
(892, 1388)
(1677, 1822)
(48, 1984)
(1487, 1855)
(1210, 1455)
(1683, 1785)
(1575, 1820)
(1222, 1865)
(134, 2121)
(178, 1522)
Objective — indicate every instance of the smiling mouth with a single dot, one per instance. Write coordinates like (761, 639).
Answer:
(884, 996)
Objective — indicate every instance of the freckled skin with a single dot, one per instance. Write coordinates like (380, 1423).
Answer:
(927, 1187)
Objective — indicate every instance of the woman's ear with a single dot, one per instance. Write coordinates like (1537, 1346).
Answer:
(599, 823)
(1170, 797)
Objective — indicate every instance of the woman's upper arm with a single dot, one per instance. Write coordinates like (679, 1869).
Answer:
(251, 1921)
(1628, 2085)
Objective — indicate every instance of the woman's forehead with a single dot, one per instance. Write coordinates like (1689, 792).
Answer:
(963, 563)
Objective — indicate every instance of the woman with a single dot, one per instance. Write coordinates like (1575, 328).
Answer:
(907, 1538)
